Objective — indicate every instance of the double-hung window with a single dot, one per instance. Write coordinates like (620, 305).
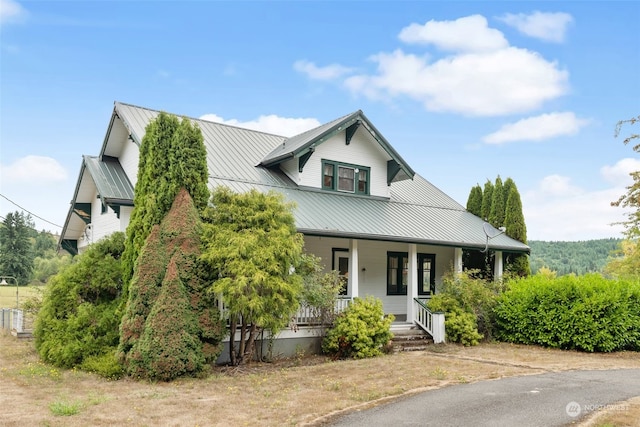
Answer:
(345, 178)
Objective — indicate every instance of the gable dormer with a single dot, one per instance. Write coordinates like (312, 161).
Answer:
(347, 155)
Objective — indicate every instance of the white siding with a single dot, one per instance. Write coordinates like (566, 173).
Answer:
(362, 151)
(125, 216)
(290, 167)
(373, 265)
(103, 224)
(129, 160)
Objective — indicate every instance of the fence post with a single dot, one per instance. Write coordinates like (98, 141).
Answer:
(438, 327)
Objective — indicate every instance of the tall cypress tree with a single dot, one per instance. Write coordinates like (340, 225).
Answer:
(487, 198)
(16, 252)
(496, 213)
(474, 202)
(172, 156)
(516, 229)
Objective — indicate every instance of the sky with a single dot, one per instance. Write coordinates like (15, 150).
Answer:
(464, 91)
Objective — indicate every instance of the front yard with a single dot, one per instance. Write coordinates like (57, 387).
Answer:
(305, 390)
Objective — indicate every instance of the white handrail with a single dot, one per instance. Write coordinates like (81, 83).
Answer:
(431, 322)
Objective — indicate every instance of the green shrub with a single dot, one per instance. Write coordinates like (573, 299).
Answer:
(361, 330)
(460, 326)
(587, 313)
(79, 317)
(106, 365)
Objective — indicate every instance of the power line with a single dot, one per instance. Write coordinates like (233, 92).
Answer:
(29, 212)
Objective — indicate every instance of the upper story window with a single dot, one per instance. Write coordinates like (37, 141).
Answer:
(345, 177)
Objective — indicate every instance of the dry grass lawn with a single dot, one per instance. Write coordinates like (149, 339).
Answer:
(298, 391)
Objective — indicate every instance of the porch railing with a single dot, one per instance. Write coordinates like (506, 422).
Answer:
(431, 322)
(306, 315)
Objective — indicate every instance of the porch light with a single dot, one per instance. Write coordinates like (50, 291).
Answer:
(4, 283)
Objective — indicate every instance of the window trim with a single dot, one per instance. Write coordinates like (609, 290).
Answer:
(356, 177)
(335, 252)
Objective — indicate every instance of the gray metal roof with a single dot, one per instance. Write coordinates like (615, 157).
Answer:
(416, 212)
(111, 181)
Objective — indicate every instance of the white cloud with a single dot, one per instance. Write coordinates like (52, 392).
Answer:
(468, 34)
(329, 72)
(273, 124)
(619, 174)
(551, 27)
(537, 128)
(11, 11)
(504, 81)
(559, 210)
(34, 169)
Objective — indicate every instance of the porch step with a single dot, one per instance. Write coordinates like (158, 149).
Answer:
(409, 337)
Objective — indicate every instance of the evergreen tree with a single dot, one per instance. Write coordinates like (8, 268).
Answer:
(507, 185)
(632, 198)
(497, 211)
(16, 250)
(171, 325)
(474, 202)
(172, 156)
(252, 246)
(487, 199)
(516, 229)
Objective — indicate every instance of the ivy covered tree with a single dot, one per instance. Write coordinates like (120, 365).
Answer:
(16, 249)
(77, 324)
(474, 202)
(252, 247)
(487, 199)
(496, 213)
(172, 156)
(171, 326)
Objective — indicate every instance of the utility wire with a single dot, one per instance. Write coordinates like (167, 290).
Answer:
(29, 212)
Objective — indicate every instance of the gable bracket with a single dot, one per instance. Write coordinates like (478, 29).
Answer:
(305, 158)
(393, 168)
(350, 131)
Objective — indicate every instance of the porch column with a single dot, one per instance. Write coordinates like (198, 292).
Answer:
(457, 260)
(354, 270)
(412, 280)
(497, 266)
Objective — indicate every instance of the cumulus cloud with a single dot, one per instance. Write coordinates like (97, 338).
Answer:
(468, 34)
(499, 82)
(328, 72)
(557, 209)
(538, 128)
(273, 124)
(34, 169)
(619, 174)
(550, 27)
(11, 11)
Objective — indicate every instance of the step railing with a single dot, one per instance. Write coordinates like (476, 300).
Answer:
(431, 322)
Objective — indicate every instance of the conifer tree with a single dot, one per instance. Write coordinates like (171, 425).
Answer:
(487, 198)
(172, 156)
(474, 202)
(516, 229)
(16, 251)
(496, 213)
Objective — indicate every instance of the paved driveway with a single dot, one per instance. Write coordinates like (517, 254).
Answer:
(551, 399)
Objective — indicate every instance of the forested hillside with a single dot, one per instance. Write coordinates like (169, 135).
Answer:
(571, 257)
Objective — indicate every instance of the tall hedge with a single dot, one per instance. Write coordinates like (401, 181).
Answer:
(587, 313)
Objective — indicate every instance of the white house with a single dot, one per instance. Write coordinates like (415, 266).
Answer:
(360, 205)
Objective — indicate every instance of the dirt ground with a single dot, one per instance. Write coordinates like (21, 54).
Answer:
(306, 390)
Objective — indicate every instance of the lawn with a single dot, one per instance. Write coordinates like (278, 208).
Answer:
(306, 390)
(8, 294)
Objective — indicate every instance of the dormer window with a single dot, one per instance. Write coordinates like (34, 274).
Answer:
(345, 177)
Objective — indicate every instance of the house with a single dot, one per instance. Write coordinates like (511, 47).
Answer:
(360, 205)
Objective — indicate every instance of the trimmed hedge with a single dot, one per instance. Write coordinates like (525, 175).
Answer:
(587, 313)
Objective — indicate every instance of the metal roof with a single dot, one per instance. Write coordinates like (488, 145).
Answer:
(416, 212)
(111, 181)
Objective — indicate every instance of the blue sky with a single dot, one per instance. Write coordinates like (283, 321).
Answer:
(465, 91)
